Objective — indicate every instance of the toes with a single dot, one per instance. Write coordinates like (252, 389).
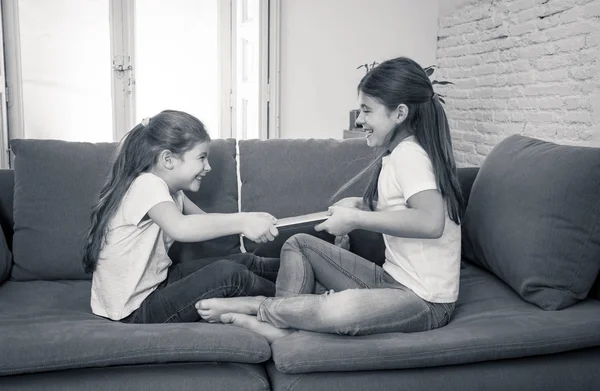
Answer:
(204, 313)
(202, 305)
(227, 318)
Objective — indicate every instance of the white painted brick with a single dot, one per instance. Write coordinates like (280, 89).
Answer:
(553, 89)
(553, 62)
(593, 40)
(583, 73)
(554, 7)
(520, 5)
(570, 44)
(501, 116)
(547, 23)
(592, 10)
(483, 149)
(525, 15)
(577, 116)
(580, 28)
(576, 103)
(523, 28)
(549, 103)
(572, 15)
(554, 75)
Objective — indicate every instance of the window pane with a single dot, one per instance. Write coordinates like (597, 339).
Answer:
(247, 70)
(177, 59)
(66, 74)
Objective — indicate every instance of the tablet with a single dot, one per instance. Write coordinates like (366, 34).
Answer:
(307, 219)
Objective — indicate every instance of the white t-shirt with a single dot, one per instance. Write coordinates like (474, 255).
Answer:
(429, 267)
(133, 261)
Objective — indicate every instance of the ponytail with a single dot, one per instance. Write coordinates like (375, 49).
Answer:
(112, 192)
(432, 132)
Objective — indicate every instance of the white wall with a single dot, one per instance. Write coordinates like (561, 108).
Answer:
(322, 43)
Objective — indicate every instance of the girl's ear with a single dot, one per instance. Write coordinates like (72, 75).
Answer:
(166, 159)
(401, 113)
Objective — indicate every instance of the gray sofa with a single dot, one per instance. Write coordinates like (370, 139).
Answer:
(528, 315)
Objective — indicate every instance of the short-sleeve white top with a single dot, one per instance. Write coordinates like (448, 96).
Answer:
(429, 267)
(133, 261)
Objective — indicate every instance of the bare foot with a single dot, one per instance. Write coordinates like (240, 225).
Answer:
(271, 333)
(212, 309)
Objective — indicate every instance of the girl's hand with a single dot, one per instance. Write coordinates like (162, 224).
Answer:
(343, 242)
(350, 202)
(340, 222)
(258, 227)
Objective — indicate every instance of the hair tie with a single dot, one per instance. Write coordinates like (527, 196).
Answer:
(434, 96)
(145, 121)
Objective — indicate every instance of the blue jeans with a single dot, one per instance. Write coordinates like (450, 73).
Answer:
(361, 298)
(190, 281)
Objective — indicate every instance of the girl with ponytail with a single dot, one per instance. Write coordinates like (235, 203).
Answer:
(142, 209)
(413, 199)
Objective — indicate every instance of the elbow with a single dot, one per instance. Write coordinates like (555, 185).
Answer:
(436, 229)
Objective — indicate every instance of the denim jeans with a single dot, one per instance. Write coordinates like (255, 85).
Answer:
(361, 298)
(190, 281)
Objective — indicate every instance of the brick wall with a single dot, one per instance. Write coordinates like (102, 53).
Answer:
(530, 67)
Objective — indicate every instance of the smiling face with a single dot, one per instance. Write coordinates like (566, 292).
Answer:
(376, 120)
(189, 169)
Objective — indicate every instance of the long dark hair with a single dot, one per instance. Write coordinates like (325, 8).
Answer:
(402, 80)
(137, 153)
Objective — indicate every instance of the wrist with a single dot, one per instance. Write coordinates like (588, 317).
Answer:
(240, 221)
(356, 218)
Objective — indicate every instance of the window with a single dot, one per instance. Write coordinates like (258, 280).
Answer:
(88, 70)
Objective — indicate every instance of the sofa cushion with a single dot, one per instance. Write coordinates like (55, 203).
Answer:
(490, 322)
(56, 184)
(574, 370)
(5, 258)
(533, 219)
(294, 177)
(213, 376)
(47, 326)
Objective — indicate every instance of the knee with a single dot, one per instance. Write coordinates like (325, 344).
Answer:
(338, 313)
(297, 243)
(225, 267)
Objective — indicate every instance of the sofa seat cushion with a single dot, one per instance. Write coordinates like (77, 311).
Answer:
(490, 322)
(47, 326)
(150, 377)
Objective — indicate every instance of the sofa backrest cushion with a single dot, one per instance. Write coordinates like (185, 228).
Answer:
(294, 177)
(5, 258)
(533, 219)
(56, 185)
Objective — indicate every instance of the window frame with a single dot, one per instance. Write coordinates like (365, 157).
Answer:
(121, 19)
